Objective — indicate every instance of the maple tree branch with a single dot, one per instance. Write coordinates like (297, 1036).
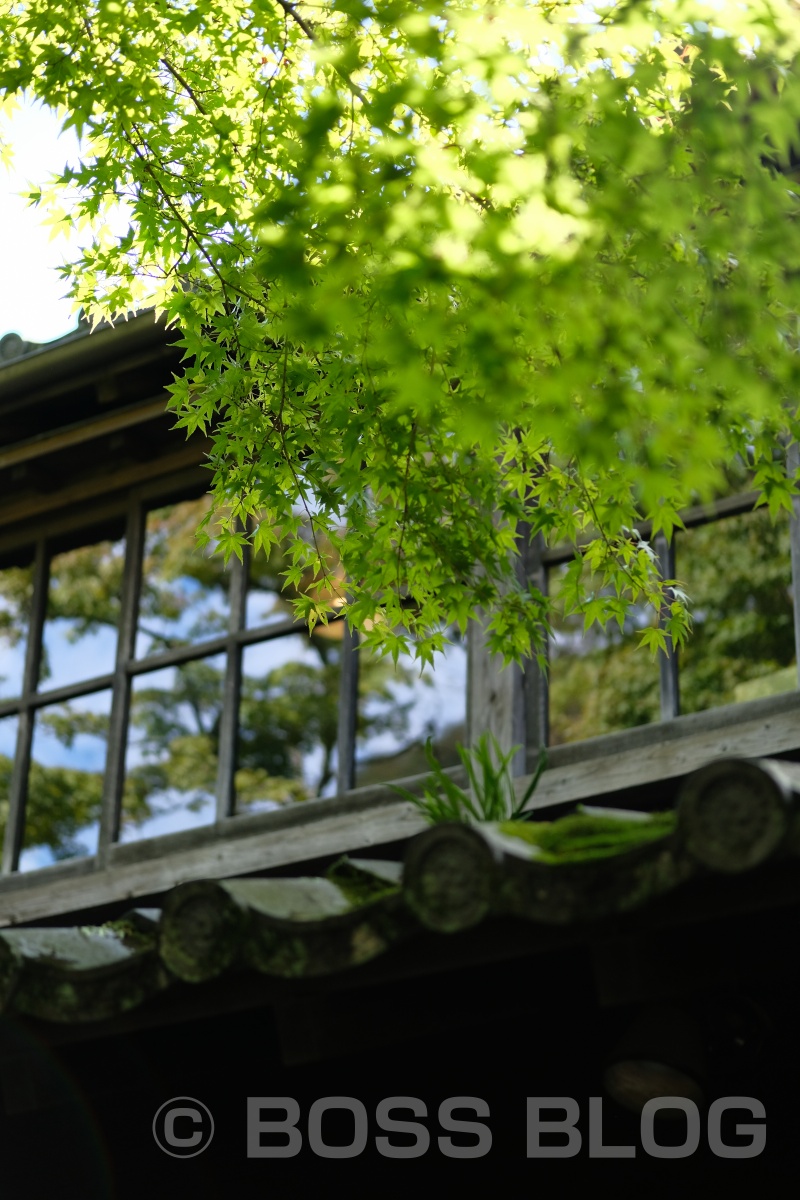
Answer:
(187, 87)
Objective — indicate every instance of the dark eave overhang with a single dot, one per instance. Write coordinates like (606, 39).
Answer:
(76, 353)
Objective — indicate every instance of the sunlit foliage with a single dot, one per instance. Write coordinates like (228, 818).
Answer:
(443, 268)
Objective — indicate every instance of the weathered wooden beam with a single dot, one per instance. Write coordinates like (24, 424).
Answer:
(374, 816)
(535, 686)
(636, 758)
(511, 702)
(494, 697)
(83, 358)
(232, 687)
(183, 483)
(32, 506)
(84, 431)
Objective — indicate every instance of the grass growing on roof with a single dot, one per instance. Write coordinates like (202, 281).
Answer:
(590, 833)
(492, 795)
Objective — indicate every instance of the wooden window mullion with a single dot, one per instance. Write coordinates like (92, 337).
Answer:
(535, 690)
(668, 660)
(792, 464)
(348, 712)
(231, 697)
(111, 814)
(18, 789)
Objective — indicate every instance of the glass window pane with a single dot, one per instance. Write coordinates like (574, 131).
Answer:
(601, 680)
(400, 708)
(83, 607)
(737, 573)
(185, 589)
(8, 744)
(16, 590)
(267, 604)
(269, 596)
(288, 720)
(65, 785)
(171, 764)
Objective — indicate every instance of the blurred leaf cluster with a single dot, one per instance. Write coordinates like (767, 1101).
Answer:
(443, 270)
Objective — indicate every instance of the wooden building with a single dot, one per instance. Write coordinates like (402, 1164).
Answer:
(267, 947)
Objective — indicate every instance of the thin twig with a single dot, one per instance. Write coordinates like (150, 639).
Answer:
(176, 75)
(404, 521)
(291, 11)
(327, 578)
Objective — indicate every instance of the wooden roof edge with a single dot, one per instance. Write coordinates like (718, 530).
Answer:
(569, 879)
(84, 345)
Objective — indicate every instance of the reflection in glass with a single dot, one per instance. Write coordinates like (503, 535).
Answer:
(267, 604)
(600, 680)
(16, 590)
(173, 745)
(401, 707)
(8, 743)
(185, 589)
(65, 784)
(737, 573)
(269, 596)
(288, 720)
(83, 607)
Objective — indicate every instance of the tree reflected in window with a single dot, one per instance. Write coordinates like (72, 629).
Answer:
(739, 579)
(600, 680)
(16, 589)
(173, 746)
(401, 706)
(65, 785)
(83, 609)
(284, 685)
(185, 589)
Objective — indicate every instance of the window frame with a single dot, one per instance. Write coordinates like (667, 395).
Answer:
(128, 666)
(740, 504)
(356, 818)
